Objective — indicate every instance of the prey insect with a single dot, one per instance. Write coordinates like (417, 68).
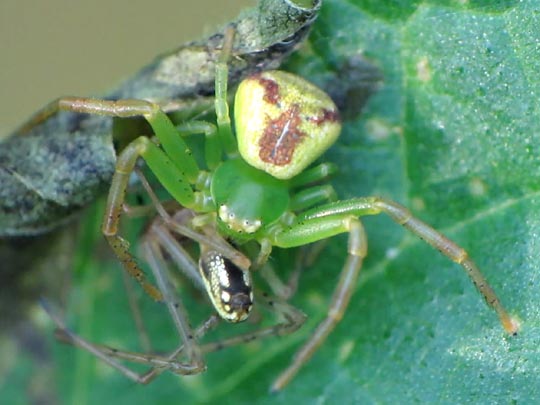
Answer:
(164, 238)
(258, 189)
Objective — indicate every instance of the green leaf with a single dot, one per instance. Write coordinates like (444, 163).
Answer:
(452, 133)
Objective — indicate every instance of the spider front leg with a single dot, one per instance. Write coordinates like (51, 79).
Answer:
(172, 163)
(402, 216)
(175, 168)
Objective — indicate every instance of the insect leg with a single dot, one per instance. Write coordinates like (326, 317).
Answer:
(152, 253)
(111, 356)
(291, 320)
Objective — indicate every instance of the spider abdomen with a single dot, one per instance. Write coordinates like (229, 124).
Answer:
(283, 122)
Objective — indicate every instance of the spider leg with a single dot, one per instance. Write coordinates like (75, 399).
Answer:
(226, 136)
(310, 194)
(357, 250)
(172, 163)
(402, 216)
(312, 197)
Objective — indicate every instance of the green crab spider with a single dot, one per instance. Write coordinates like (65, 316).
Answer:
(263, 192)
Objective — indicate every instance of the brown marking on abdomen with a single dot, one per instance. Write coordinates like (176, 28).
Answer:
(271, 89)
(281, 137)
(327, 116)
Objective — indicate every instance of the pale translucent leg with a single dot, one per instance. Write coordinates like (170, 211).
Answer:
(154, 258)
(357, 250)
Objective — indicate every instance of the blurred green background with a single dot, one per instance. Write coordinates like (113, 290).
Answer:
(61, 47)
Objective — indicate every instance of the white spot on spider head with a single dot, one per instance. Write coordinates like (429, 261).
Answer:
(240, 225)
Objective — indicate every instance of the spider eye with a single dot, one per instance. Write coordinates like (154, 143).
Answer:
(228, 286)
